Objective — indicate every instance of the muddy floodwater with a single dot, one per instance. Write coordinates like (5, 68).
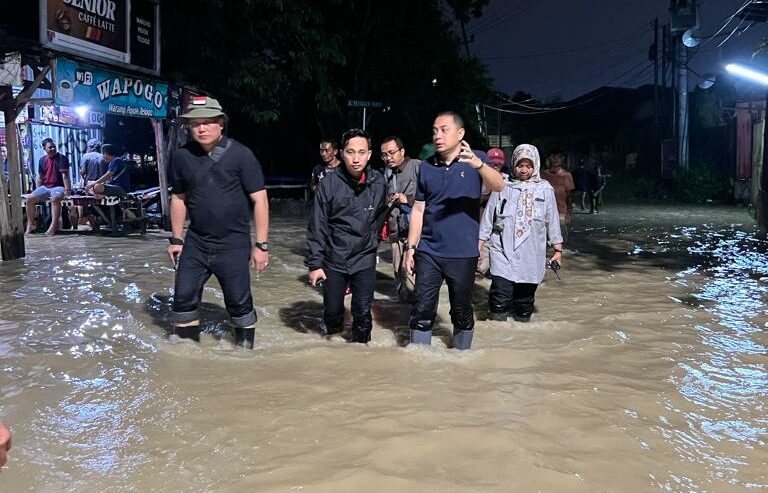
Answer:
(643, 369)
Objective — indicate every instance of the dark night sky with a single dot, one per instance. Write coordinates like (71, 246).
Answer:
(523, 43)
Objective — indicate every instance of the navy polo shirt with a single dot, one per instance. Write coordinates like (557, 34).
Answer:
(451, 193)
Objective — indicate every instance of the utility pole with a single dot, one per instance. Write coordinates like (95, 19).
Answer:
(655, 54)
(682, 119)
(464, 35)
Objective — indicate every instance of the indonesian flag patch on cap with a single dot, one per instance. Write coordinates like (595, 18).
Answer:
(199, 101)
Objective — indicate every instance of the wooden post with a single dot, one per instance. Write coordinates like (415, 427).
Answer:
(162, 171)
(11, 222)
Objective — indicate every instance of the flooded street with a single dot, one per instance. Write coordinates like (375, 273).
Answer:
(644, 369)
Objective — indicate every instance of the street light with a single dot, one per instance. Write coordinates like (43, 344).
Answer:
(747, 73)
(81, 111)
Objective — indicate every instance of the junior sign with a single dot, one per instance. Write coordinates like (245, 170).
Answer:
(121, 32)
(78, 84)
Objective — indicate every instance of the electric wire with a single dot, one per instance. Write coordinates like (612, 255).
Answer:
(540, 110)
(727, 22)
(567, 51)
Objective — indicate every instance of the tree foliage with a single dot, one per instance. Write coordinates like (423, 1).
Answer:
(286, 69)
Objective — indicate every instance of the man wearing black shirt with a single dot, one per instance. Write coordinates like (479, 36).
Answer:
(218, 181)
(329, 154)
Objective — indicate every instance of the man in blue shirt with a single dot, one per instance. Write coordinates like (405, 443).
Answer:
(116, 182)
(444, 230)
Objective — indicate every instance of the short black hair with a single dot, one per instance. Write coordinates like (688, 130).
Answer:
(398, 141)
(457, 119)
(47, 140)
(557, 151)
(352, 133)
(108, 149)
(334, 143)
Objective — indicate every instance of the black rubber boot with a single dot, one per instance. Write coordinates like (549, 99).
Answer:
(423, 337)
(462, 339)
(498, 316)
(244, 337)
(189, 332)
(361, 336)
(521, 317)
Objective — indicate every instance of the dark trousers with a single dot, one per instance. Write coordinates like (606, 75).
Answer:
(231, 268)
(362, 284)
(506, 296)
(459, 274)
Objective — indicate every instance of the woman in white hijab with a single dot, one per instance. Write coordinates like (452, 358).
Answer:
(518, 223)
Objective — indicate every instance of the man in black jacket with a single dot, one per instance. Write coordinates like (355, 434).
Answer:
(342, 237)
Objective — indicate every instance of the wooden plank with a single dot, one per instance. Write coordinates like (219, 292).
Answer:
(162, 171)
(11, 222)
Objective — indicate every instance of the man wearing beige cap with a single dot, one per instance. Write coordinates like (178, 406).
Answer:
(219, 183)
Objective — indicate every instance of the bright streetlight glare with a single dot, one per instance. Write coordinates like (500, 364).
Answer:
(747, 73)
(81, 111)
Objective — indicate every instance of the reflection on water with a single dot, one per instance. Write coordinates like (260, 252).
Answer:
(645, 368)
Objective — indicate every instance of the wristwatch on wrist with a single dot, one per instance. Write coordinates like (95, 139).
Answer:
(557, 251)
(175, 241)
(262, 245)
(410, 247)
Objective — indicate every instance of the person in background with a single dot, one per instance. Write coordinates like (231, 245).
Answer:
(343, 236)
(4, 159)
(5, 444)
(402, 175)
(92, 167)
(53, 183)
(581, 180)
(116, 181)
(496, 159)
(329, 154)
(562, 182)
(596, 185)
(516, 226)
(443, 231)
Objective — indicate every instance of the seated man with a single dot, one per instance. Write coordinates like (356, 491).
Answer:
(52, 183)
(116, 182)
(92, 167)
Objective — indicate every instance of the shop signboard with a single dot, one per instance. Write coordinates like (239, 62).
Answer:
(96, 89)
(122, 32)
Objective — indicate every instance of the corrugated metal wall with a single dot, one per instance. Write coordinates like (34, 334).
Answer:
(71, 142)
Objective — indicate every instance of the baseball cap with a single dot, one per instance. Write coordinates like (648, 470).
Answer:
(496, 156)
(203, 107)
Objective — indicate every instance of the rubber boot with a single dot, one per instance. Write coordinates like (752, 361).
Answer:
(521, 318)
(462, 339)
(498, 316)
(421, 337)
(186, 332)
(244, 337)
(361, 336)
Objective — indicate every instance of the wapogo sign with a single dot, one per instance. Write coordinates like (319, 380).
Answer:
(79, 84)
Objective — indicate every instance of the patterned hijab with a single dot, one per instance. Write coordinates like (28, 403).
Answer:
(524, 210)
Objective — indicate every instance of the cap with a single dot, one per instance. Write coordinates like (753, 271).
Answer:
(93, 145)
(496, 156)
(203, 107)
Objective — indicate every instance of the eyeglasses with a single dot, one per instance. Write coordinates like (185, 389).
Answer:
(385, 155)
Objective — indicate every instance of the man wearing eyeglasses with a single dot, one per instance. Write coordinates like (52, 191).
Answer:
(220, 183)
(402, 175)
